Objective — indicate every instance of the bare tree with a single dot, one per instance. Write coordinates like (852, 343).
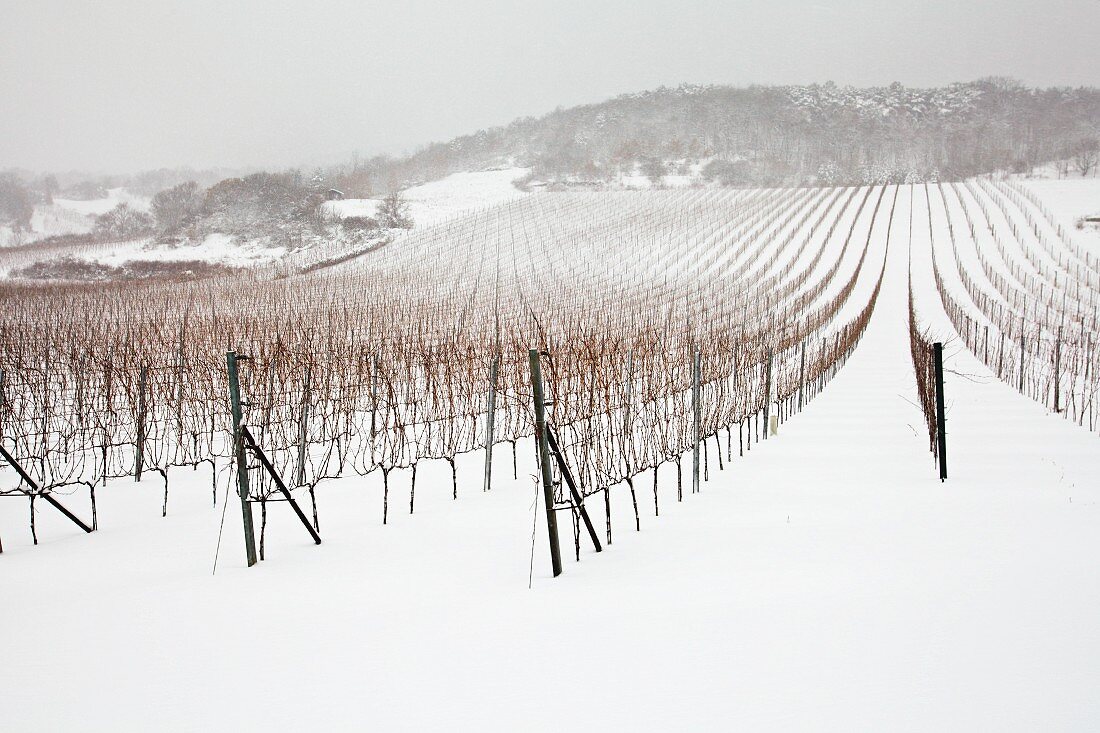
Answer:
(393, 213)
(654, 169)
(123, 222)
(16, 204)
(175, 207)
(1086, 156)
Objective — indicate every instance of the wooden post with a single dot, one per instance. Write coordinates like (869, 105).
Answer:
(696, 423)
(1001, 357)
(303, 427)
(801, 374)
(490, 420)
(578, 500)
(941, 418)
(231, 360)
(1022, 343)
(34, 491)
(767, 393)
(544, 459)
(139, 442)
(248, 438)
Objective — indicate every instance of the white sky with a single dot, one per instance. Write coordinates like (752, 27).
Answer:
(114, 85)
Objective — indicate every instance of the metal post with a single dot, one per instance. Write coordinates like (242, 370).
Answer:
(139, 443)
(35, 491)
(1058, 370)
(544, 459)
(941, 419)
(373, 395)
(490, 420)
(303, 427)
(231, 360)
(697, 428)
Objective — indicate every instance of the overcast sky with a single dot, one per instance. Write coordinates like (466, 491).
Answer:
(121, 86)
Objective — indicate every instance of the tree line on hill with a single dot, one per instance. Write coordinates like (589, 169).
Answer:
(780, 135)
(820, 134)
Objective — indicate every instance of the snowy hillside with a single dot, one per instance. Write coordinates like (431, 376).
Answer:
(429, 204)
(69, 216)
(783, 135)
(437, 201)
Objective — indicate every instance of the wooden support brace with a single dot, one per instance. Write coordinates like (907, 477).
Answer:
(37, 493)
(578, 502)
(258, 452)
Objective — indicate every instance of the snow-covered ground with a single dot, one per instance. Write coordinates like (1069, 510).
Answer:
(214, 249)
(1068, 201)
(70, 216)
(95, 207)
(824, 581)
(447, 198)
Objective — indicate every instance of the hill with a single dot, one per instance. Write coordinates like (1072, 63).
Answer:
(774, 135)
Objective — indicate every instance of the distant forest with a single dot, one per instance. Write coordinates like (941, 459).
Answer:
(821, 134)
(775, 135)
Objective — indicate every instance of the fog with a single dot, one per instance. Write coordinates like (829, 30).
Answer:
(122, 86)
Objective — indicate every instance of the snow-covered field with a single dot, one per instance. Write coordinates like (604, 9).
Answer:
(438, 201)
(70, 216)
(73, 216)
(826, 580)
(215, 248)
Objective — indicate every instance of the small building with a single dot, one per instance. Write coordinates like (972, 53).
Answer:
(334, 195)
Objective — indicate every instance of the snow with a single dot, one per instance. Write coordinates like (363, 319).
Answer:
(438, 201)
(215, 248)
(639, 181)
(352, 207)
(95, 207)
(824, 581)
(70, 216)
(53, 219)
(8, 237)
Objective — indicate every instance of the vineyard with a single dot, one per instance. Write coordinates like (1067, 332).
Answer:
(739, 393)
(667, 319)
(670, 324)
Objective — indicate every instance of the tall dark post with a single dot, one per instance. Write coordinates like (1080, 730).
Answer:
(544, 459)
(1022, 343)
(941, 419)
(303, 427)
(767, 394)
(139, 442)
(696, 421)
(242, 461)
(801, 375)
(490, 419)
(1058, 371)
